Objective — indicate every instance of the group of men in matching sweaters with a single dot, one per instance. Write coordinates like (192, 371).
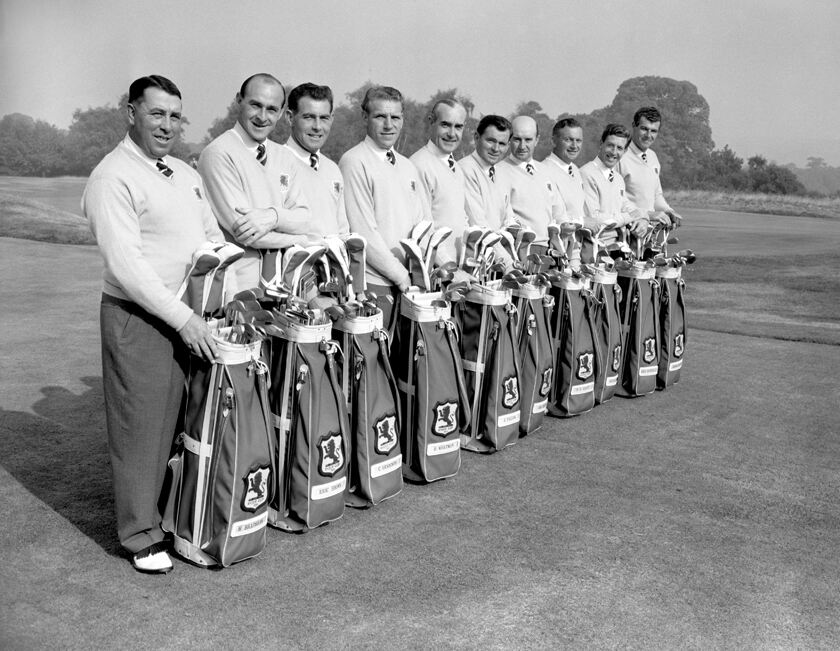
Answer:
(150, 211)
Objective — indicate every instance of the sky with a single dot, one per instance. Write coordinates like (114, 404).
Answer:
(767, 68)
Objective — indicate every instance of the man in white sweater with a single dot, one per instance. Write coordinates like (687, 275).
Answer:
(567, 138)
(252, 181)
(147, 212)
(383, 196)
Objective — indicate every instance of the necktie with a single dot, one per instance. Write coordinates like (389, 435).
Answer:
(610, 177)
(262, 157)
(571, 170)
(644, 156)
(451, 161)
(391, 158)
(164, 168)
(530, 169)
(492, 172)
(313, 161)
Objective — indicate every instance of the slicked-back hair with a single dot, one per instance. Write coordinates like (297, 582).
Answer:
(265, 77)
(387, 93)
(562, 124)
(649, 113)
(139, 86)
(451, 102)
(312, 91)
(499, 122)
(615, 130)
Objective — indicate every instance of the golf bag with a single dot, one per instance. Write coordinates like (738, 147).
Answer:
(609, 351)
(223, 470)
(640, 328)
(490, 358)
(311, 425)
(434, 401)
(574, 343)
(672, 324)
(373, 402)
(204, 287)
(534, 308)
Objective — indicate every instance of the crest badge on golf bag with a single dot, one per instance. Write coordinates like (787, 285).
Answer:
(616, 358)
(446, 418)
(256, 489)
(650, 350)
(545, 386)
(331, 452)
(511, 389)
(679, 344)
(386, 434)
(586, 366)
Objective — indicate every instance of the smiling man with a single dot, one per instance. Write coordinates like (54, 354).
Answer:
(606, 197)
(383, 196)
(252, 182)
(534, 197)
(567, 138)
(147, 212)
(442, 179)
(310, 114)
(640, 168)
(487, 186)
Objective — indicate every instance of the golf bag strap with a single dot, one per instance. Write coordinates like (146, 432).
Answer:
(389, 372)
(338, 395)
(451, 338)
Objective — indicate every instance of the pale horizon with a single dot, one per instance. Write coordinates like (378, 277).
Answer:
(766, 68)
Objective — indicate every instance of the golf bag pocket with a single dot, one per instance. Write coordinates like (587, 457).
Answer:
(534, 310)
(312, 428)
(434, 402)
(223, 471)
(370, 390)
(672, 325)
(490, 358)
(640, 329)
(609, 353)
(574, 345)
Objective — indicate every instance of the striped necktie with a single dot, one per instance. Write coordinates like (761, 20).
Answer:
(313, 161)
(389, 155)
(571, 170)
(610, 177)
(262, 156)
(451, 161)
(492, 173)
(530, 169)
(164, 168)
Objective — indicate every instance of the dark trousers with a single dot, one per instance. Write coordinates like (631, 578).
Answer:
(143, 370)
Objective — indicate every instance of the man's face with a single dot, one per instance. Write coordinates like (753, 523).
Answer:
(524, 139)
(611, 150)
(384, 121)
(492, 145)
(568, 143)
(155, 122)
(311, 123)
(448, 128)
(260, 108)
(644, 133)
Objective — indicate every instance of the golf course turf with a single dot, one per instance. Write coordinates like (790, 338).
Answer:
(705, 516)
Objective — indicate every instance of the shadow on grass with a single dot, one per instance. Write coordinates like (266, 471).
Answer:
(60, 455)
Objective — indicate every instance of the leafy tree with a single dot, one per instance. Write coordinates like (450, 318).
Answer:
(815, 162)
(722, 170)
(30, 147)
(770, 178)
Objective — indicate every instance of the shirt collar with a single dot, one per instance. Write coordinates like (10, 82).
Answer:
(299, 151)
(437, 151)
(381, 153)
(484, 166)
(604, 169)
(636, 150)
(134, 149)
(518, 163)
(247, 140)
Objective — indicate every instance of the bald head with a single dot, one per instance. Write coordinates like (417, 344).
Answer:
(524, 138)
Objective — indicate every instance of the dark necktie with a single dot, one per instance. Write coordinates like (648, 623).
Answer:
(451, 161)
(164, 168)
(389, 155)
(644, 156)
(313, 161)
(571, 170)
(492, 173)
(610, 177)
(262, 157)
(530, 169)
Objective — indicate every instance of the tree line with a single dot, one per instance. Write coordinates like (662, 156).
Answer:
(30, 147)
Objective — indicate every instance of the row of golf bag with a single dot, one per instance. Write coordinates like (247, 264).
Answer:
(302, 417)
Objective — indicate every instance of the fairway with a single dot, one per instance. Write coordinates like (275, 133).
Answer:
(703, 516)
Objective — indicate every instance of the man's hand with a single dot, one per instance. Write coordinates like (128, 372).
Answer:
(659, 217)
(196, 335)
(676, 218)
(639, 227)
(253, 224)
